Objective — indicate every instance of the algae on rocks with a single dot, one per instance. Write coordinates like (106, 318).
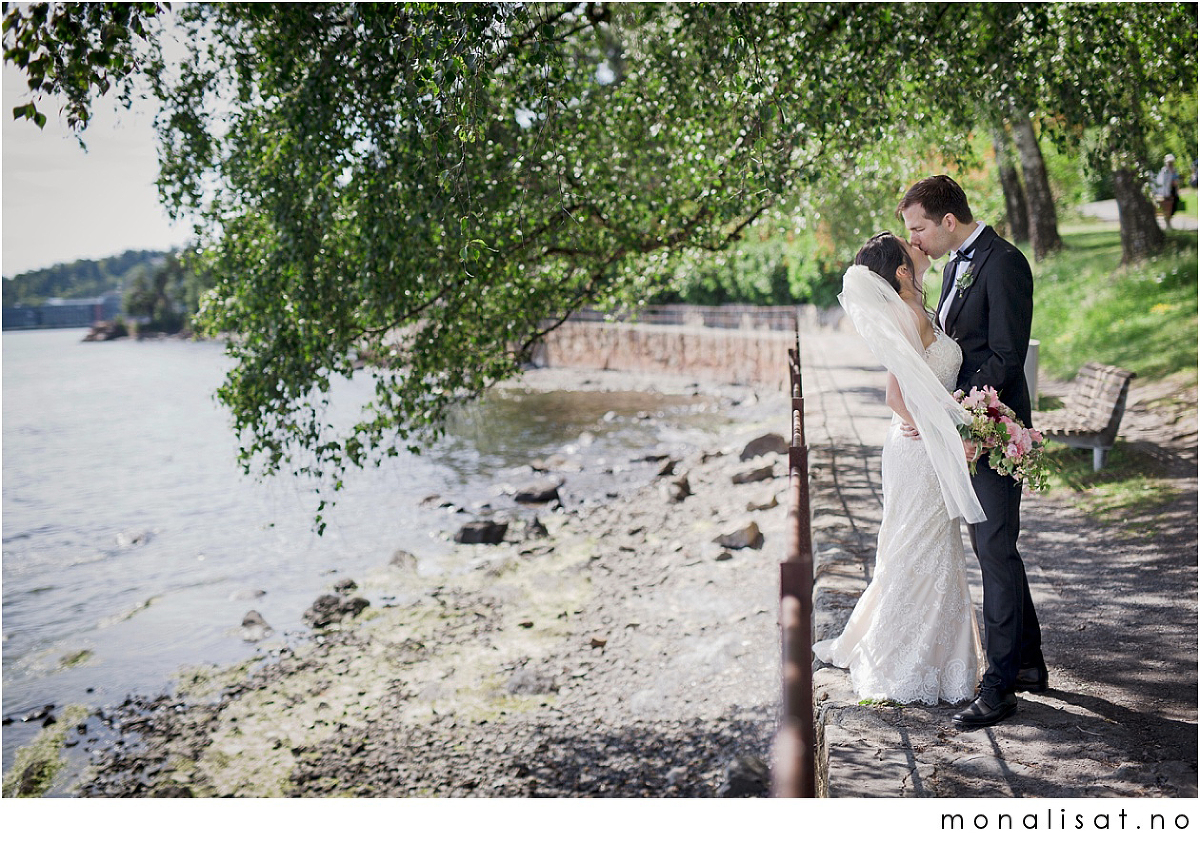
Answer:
(36, 765)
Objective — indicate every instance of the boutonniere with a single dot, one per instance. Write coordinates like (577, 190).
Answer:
(966, 279)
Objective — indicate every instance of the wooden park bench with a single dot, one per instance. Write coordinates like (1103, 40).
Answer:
(1092, 412)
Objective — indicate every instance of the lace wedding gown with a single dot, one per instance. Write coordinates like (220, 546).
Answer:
(912, 637)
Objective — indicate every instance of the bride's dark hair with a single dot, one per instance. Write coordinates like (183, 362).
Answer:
(883, 254)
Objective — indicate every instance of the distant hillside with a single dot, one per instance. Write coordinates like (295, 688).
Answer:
(80, 279)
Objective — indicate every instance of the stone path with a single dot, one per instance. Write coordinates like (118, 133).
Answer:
(1117, 603)
(1106, 210)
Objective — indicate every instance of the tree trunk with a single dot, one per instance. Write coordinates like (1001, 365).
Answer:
(1015, 215)
(1140, 234)
(1043, 220)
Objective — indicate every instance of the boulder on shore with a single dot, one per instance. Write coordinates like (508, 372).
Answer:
(748, 536)
(754, 475)
(103, 331)
(677, 489)
(771, 443)
(330, 609)
(541, 491)
(481, 532)
(255, 627)
(746, 775)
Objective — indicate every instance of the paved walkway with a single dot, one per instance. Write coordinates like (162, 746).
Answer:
(1117, 605)
(1107, 210)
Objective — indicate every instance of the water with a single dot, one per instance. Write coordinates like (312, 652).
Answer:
(134, 545)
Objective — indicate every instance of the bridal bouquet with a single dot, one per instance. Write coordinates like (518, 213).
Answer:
(1013, 449)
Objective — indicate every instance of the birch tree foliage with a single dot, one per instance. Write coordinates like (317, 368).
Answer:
(430, 188)
(1103, 68)
(426, 189)
(77, 51)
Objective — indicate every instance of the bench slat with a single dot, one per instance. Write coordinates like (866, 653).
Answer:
(1092, 413)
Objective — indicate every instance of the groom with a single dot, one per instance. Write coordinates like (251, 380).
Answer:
(986, 306)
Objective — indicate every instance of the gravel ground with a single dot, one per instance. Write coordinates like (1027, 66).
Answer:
(625, 653)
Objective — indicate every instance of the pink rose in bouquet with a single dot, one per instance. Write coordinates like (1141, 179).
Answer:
(1013, 450)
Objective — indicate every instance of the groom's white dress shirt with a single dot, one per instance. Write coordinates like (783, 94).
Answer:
(959, 270)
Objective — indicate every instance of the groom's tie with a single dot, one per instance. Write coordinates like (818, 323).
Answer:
(959, 257)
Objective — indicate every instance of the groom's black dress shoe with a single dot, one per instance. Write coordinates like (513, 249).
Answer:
(980, 713)
(1035, 679)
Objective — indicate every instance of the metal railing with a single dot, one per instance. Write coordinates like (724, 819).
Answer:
(795, 742)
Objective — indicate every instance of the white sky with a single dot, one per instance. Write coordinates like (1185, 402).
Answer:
(61, 203)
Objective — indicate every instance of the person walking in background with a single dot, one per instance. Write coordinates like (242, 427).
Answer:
(986, 306)
(1166, 188)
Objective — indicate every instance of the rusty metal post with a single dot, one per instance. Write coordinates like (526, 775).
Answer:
(795, 743)
(794, 750)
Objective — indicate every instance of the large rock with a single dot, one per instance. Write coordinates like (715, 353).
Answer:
(103, 331)
(771, 443)
(766, 502)
(324, 611)
(677, 489)
(330, 609)
(540, 491)
(481, 532)
(748, 536)
(556, 462)
(255, 627)
(754, 475)
(353, 606)
(746, 775)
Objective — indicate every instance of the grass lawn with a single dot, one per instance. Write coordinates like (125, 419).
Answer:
(1129, 491)
(1087, 307)
(1188, 195)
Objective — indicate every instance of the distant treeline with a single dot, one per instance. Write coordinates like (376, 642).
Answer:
(81, 279)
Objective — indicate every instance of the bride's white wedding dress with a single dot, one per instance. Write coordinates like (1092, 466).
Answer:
(912, 637)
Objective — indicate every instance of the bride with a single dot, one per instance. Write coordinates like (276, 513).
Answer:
(912, 636)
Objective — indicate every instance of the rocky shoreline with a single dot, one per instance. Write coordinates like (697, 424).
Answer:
(627, 648)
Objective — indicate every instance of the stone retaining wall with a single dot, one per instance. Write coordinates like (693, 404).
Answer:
(728, 356)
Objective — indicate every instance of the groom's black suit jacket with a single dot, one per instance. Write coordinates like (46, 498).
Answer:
(990, 320)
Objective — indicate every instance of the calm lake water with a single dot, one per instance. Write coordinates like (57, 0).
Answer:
(133, 544)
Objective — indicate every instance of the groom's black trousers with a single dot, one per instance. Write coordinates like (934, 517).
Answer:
(1013, 637)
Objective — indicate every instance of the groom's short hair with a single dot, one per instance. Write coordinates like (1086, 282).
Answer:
(938, 196)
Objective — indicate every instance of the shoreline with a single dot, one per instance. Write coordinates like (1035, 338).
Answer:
(564, 665)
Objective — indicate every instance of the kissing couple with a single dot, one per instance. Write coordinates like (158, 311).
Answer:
(912, 636)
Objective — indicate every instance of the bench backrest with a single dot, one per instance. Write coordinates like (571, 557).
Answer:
(1098, 394)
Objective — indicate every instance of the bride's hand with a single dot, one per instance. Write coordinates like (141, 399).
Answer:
(909, 431)
(970, 450)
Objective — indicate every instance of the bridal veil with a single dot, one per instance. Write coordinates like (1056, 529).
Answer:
(887, 325)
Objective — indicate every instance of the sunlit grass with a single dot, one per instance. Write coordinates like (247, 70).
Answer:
(1087, 307)
(1131, 486)
(1188, 195)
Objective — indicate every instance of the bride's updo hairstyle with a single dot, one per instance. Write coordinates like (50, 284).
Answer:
(883, 254)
